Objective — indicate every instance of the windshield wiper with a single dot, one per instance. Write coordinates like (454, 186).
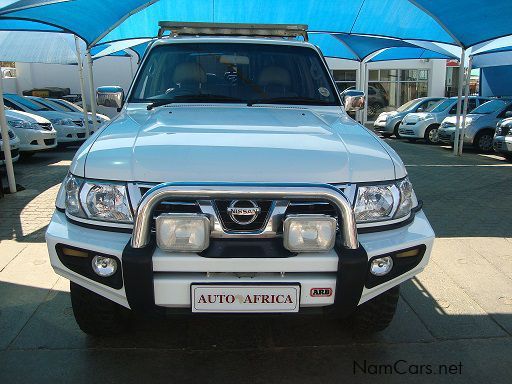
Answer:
(199, 98)
(287, 100)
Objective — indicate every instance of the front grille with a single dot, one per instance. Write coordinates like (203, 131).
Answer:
(46, 126)
(410, 123)
(80, 123)
(445, 135)
(406, 131)
(498, 145)
(80, 135)
(229, 224)
(14, 153)
(502, 131)
(49, 141)
(11, 134)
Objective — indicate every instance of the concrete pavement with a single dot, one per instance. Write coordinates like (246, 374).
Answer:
(456, 314)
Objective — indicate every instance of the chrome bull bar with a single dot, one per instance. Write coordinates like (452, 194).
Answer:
(212, 191)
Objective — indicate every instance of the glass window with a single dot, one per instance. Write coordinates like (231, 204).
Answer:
(442, 106)
(29, 104)
(234, 72)
(67, 104)
(373, 75)
(409, 75)
(345, 79)
(489, 107)
(388, 74)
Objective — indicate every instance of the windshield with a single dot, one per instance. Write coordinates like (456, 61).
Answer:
(407, 105)
(67, 106)
(236, 73)
(30, 104)
(489, 107)
(441, 106)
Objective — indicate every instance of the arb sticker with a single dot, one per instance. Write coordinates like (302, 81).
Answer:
(320, 292)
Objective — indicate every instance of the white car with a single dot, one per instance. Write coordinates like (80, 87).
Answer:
(233, 181)
(14, 141)
(67, 131)
(35, 132)
(425, 125)
(77, 116)
(68, 105)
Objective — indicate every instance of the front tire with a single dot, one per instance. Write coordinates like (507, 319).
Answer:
(431, 135)
(96, 315)
(483, 141)
(376, 314)
(395, 131)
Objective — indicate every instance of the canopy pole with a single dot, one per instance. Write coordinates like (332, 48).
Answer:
(365, 89)
(82, 85)
(5, 141)
(92, 92)
(465, 109)
(360, 113)
(459, 103)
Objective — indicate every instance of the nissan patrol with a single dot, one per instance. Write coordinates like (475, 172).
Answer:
(233, 181)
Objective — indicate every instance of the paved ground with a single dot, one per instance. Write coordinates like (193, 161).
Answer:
(457, 314)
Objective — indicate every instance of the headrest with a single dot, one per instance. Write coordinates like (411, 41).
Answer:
(189, 72)
(275, 76)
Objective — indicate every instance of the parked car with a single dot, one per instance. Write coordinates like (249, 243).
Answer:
(502, 142)
(425, 125)
(14, 141)
(480, 124)
(76, 112)
(267, 198)
(35, 132)
(388, 123)
(67, 131)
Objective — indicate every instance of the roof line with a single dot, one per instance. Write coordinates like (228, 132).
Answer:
(13, 8)
(357, 16)
(121, 20)
(439, 22)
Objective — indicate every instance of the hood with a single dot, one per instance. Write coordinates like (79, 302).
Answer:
(52, 115)
(451, 121)
(25, 116)
(417, 116)
(221, 143)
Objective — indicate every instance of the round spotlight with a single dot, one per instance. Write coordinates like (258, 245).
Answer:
(104, 266)
(381, 266)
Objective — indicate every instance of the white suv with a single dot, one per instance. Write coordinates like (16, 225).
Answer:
(234, 181)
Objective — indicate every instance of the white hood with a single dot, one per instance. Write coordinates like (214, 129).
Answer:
(25, 116)
(222, 143)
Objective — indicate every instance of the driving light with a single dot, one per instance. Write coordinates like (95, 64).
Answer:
(183, 232)
(309, 233)
(381, 266)
(104, 266)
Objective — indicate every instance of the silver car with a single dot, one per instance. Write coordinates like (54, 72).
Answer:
(425, 125)
(388, 123)
(502, 142)
(480, 124)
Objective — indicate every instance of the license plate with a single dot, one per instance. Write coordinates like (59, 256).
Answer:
(245, 298)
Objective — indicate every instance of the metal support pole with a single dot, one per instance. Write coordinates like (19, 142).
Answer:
(459, 103)
(92, 92)
(6, 146)
(131, 68)
(82, 85)
(465, 109)
(360, 86)
(365, 89)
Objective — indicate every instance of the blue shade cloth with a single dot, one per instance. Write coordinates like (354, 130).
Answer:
(495, 58)
(88, 19)
(372, 17)
(16, 5)
(402, 53)
(42, 47)
(112, 49)
(23, 25)
(471, 21)
(331, 46)
(363, 46)
(140, 50)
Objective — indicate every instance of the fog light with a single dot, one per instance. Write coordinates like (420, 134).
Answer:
(183, 232)
(104, 266)
(309, 233)
(381, 266)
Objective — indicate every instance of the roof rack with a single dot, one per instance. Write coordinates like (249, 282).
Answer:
(233, 29)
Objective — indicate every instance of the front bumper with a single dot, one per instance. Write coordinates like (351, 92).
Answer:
(67, 133)
(502, 144)
(446, 135)
(37, 140)
(154, 278)
(414, 130)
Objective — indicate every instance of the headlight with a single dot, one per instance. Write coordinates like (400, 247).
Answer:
(62, 121)
(383, 202)
(97, 200)
(19, 124)
(424, 117)
(471, 120)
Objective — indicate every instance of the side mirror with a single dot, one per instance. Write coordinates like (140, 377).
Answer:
(508, 114)
(353, 100)
(110, 96)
